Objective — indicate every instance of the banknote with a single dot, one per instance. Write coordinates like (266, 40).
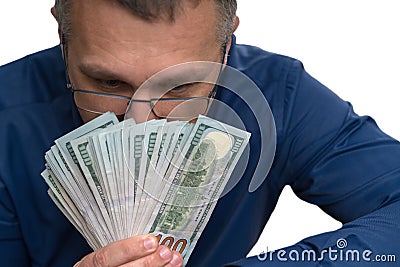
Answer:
(196, 181)
(114, 180)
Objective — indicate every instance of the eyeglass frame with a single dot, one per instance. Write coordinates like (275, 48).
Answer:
(151, 101)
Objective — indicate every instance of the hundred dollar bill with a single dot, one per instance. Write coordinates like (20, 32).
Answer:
(110, 150)
(108, 155)
(63, 199)
(197, 180)
(67, 182)
(72, 165)
(128, 154)
(137, 154)
(169, 139)
(64, 203)
(150, 141)
(116, 136)
(85, 158)
(64, 143)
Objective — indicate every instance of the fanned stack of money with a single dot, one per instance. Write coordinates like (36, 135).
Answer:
(114, 180)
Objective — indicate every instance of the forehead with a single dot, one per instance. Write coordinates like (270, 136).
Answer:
(189, 18)
(105, 32)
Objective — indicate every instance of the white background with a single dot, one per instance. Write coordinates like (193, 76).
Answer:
(352, 46)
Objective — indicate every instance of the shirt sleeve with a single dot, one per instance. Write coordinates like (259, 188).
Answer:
(347, 166)
(12, 247)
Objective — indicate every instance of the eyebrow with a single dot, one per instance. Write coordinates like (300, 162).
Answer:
(182, 77)
(185, 77)
(97, 71)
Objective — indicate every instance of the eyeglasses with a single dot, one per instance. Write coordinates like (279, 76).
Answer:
(171, 108)
(96, 102)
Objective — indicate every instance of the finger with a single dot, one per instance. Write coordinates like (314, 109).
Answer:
(176, 260)
(161, 258)
(121, 252)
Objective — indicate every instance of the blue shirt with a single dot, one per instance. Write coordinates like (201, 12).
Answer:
(329, 155)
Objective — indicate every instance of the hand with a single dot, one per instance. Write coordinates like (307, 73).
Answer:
(140, 250)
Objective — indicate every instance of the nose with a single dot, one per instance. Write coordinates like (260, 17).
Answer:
(140, 112)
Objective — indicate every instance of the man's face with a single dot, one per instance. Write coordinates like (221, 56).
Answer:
(113, 51)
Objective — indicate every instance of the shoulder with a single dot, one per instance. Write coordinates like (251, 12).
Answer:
(33, 79)
(35, 108)
(276, 76)
(261, 66)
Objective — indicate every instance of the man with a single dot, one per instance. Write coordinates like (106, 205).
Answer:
(330, 156)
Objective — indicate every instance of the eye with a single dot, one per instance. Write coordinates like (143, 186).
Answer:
(180, 91)
(113, 87)
(181, 87)
(109, 83)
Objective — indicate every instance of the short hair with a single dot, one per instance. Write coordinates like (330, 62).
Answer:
(157, 9)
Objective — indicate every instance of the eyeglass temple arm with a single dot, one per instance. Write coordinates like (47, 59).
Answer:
(65, 53)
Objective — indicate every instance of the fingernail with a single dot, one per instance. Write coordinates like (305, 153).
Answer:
(175, 260)
(150, 242)
(165, 253)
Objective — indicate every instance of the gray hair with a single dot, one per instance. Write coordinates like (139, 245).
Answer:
(157, 9)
